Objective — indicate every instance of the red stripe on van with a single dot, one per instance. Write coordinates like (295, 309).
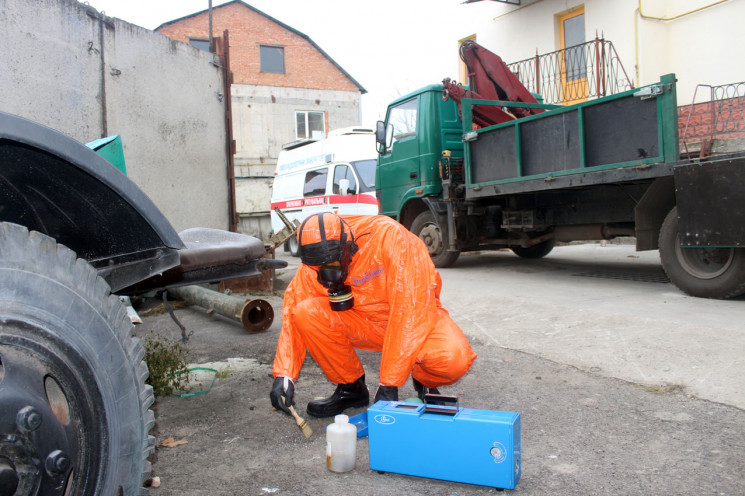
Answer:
(325, 200)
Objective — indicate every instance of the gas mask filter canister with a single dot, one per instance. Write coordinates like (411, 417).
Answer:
(332, 277)
(340, 298)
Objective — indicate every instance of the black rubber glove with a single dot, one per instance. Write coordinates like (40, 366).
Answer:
(386, 393)
(282, 394)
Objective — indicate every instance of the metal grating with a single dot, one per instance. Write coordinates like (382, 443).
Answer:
(720, 117)
(657, 277)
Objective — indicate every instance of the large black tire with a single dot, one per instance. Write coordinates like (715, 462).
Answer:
(702, 272)
(74, 416)
(426, 227)
(536, 251)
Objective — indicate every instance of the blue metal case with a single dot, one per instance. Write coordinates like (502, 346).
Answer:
(445, 442)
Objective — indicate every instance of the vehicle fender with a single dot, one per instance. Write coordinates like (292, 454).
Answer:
(417, 205)
(54, 184)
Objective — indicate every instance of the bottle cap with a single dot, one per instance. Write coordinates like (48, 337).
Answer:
(341, 419)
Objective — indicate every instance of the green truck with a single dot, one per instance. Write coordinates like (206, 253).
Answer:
(595, 170)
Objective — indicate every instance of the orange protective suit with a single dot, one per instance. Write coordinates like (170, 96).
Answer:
(397, 310)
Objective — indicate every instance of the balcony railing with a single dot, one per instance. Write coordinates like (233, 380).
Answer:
(574, 74)
(713, 126)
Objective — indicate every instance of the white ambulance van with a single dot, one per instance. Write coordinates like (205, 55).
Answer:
(336, 174)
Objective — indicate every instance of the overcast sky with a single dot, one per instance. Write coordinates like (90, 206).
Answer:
(390, 47)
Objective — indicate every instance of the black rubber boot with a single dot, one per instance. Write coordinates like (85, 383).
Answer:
(421, 390)
(350, 395)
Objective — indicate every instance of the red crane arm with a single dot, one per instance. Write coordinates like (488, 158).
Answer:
(489, 78)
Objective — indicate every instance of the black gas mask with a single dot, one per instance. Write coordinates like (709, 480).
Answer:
(332, 258)
(332, 277)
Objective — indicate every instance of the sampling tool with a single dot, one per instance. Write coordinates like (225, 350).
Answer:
(301, 423)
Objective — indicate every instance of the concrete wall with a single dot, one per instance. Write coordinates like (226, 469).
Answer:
(700, 47)
(88, 77)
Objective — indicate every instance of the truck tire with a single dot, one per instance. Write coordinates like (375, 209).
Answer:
(294, 247)
(426, 227)
(703, 272)
(74, 417)
(536, 251)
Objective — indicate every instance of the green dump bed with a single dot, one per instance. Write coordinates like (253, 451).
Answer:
(604, 140)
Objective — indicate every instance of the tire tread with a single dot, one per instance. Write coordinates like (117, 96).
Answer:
(18, 246)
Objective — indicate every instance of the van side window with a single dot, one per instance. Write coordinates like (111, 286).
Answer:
(344, 172)
(315, 183)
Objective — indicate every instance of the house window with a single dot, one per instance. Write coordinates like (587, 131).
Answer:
(272, 59)
(310, 125)
(201, 43)
(462, 69)
(573, 34)
(573, 63)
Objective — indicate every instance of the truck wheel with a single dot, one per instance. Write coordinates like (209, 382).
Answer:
(74, 417)
(536, 251)
(294, 247)
(703, 272)
(426, 227)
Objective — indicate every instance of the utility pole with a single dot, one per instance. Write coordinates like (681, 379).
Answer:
(212, 40)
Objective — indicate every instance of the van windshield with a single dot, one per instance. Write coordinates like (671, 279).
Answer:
(366, 172)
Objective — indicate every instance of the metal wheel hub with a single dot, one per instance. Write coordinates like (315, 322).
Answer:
(8, 477)
(430, 234)
(40, 438)
(704, 263)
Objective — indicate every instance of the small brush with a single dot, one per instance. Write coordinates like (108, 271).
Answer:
(301, 423)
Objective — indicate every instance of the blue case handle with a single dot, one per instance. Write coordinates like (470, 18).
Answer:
(440, 404)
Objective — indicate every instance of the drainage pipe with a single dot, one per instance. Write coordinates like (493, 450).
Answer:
(255, 315)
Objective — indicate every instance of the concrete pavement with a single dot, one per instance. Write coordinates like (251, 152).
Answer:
(615, 397)
(605, 309)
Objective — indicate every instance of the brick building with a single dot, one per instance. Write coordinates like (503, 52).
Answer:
(285, 88)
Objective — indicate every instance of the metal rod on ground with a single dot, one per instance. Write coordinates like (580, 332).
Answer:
(255, 315)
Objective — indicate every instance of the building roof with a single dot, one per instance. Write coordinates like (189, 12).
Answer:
(280, 23)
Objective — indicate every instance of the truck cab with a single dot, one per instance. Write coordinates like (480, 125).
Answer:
(418, 128)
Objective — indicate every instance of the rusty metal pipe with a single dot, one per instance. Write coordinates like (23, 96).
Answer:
(255, 315)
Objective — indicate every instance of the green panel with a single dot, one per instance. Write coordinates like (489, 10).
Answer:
(620, 130)
(497, 155)
(668, 112)
(111, 149)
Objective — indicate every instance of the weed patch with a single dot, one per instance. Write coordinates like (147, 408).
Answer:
(167, 361)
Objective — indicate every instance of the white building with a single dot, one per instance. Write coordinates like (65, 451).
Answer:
(698, 40)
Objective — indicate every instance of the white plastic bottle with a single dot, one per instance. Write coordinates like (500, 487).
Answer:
(341, 445)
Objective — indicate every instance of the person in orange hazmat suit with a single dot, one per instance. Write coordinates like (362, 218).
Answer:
(365, 282)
